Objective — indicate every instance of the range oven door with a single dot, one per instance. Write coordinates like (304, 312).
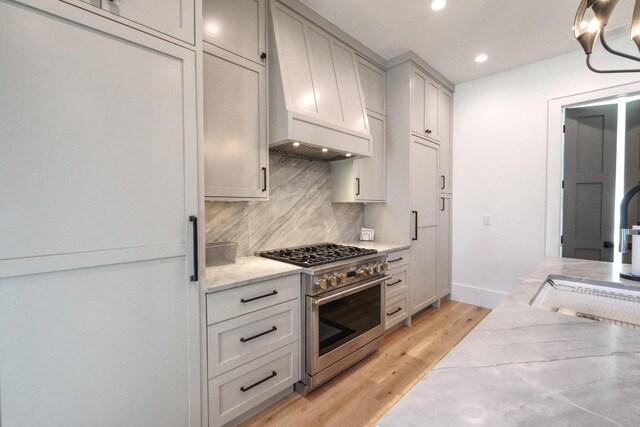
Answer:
(341, 321)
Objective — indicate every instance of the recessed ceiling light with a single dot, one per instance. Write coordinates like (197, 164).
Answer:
(324, 150)
(296, 144)
(438, 4)
(348, 154)
(481, 58)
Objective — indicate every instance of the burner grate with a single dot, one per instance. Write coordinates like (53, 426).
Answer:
(314, 255)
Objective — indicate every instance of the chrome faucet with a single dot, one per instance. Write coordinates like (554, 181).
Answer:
(625, 243)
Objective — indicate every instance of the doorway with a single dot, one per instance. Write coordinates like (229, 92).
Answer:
(601, 162)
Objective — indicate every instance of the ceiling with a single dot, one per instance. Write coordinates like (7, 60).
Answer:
(511, 32)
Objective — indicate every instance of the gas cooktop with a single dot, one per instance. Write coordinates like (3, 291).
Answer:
(314, 255)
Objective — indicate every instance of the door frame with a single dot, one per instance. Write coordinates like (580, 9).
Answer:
(555, 151)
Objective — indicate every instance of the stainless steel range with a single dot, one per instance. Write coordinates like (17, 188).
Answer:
(343, 315)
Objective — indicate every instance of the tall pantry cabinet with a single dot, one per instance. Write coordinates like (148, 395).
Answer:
(99, 288)
(419, 120)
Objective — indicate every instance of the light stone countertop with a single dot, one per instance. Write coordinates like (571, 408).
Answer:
(247, 270)
(382, 247)
(251, 269)
(526, 366)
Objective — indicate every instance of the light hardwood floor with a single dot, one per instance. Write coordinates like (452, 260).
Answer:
(362, 394)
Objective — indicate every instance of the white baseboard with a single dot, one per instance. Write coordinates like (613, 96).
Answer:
(483, 297)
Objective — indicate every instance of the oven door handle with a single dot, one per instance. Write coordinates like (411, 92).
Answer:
(347, 292)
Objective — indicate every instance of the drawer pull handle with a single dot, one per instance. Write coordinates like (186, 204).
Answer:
(394, 311)
(243, 388)
(396, 260)
(260, 297)
(275, 328)
(394, 283)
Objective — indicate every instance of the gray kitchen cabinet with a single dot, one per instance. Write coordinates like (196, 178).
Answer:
(424, 209)
(235, 127)
(253, 346)
(175, 18)
(363, 179)
(446, 145)
(99, 300)
(418, 175)
(237, 26)
(444, 246)
(374, 86)
(425, 105)
(397, 295)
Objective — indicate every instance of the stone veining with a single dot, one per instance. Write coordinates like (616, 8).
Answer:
(525, 366)
(299, 211)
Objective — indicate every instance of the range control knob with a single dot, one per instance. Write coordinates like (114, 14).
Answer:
(343, 278)
(385, 266)
(333, 279)
(378, 267)
(361, 272)
(322, 283)
(371, 270)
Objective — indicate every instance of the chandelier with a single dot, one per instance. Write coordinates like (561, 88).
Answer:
(588, 31)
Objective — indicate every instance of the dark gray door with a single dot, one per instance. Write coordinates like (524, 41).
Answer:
(589, 182)
(632, 163)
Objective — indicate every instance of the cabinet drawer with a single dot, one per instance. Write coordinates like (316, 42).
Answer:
(398, 281)
(398, 258)
(235, 302)
(239, 340)
(396, 310)
(237, 391)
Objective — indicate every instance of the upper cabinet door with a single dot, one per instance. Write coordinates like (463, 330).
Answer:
(374, 86)
(172, 17)
(432, 110)
(425, 106)
(237, 26)
(418, 113)
(235, 137)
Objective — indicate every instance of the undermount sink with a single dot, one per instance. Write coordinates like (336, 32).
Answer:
(605, 302)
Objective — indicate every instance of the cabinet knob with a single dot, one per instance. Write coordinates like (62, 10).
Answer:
(263, 55)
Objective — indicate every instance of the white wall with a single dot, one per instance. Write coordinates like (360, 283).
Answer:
(499, 168)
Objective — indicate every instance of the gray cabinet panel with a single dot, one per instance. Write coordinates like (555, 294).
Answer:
(235, 133)
(236, 25)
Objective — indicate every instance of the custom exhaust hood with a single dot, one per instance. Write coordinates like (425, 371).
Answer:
(316, 104)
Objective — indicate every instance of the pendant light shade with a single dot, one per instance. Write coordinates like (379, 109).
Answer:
(603, 10)
(588, 31)
(585, 33)
(635, 25)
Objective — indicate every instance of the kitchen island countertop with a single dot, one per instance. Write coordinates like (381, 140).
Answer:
(526, 366)
(247, 270)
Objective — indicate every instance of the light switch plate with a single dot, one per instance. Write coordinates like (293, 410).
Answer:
(487, 219)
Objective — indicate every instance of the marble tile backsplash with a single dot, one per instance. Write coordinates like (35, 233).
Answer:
(299, 211)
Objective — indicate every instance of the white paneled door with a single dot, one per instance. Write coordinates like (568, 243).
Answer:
(98, 178)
